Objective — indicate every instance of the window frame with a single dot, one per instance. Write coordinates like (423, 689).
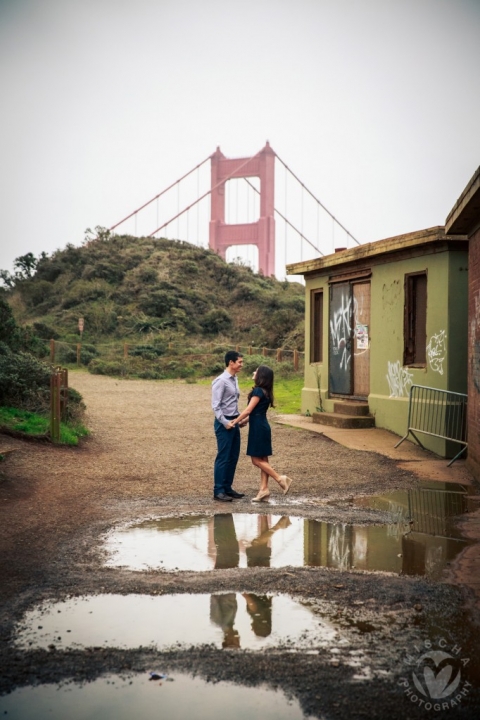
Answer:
(316, 325)
(414, 353)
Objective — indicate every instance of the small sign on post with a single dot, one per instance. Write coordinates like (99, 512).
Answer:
(81, 324)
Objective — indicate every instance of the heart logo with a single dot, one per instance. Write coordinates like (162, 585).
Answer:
(436, 685)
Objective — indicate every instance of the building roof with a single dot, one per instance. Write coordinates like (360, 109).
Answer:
(464, 217)
(409, 241)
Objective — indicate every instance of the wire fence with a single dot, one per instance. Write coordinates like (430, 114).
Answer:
(164, 359)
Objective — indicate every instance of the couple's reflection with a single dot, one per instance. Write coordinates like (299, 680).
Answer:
(223, 608)
(258, 551)
(223, 611)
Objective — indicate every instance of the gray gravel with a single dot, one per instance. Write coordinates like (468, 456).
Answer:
(151, 455)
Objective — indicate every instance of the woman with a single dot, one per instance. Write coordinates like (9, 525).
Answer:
(259, 433)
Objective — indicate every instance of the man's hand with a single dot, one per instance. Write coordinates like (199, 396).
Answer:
(243, 422)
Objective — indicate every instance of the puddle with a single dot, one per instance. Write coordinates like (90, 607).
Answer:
(117, 698)
(226, 620)
(429, 510)
(241, 540)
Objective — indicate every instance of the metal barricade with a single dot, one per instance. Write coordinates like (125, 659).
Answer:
(439, 413)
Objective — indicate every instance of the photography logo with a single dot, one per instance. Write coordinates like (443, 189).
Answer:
(436, 681)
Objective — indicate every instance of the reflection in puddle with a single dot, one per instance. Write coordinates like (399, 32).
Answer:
(428, 511)
(242, 540)
(117, 698)
(233, 620)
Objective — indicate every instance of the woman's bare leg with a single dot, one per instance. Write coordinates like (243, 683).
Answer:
(266, 468)
(263, 480)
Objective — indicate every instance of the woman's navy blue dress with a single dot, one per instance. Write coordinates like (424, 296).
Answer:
(259, 432)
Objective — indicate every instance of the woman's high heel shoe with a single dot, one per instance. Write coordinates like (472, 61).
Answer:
(262, 495)
(285, 483)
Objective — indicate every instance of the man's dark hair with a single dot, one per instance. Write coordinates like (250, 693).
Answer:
(232, 355)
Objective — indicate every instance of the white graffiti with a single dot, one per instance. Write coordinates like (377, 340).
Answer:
(436, 351)
(399, 379)
(340, 331)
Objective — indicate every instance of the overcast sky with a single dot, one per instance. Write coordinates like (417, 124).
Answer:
(374, 104)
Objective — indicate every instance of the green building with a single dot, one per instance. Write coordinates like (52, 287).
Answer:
(382, 317)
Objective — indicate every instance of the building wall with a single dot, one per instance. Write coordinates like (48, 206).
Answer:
(390, 381)
(473, 460)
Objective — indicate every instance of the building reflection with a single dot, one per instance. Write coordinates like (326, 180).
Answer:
(421, 541)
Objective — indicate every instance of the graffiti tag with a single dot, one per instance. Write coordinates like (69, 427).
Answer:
(399, 379)
(340, 331)
(436, 351)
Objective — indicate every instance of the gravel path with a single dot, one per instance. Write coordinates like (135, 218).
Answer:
(151, 454)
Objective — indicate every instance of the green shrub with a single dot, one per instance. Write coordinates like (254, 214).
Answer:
(149, 375)
(214, 368)
(24, 380)
(106, 367)
(148, 352)
(46, 332)
(216, 321)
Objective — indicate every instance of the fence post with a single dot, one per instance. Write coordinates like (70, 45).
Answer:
(64, 394)
(249, 349)
(264, 351)
(52, 352)
(79, 349)
(237, 348)
(295, 359)
(279, 355)
(55, 406)
(125, 350)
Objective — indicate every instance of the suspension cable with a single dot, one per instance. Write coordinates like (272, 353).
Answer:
(288, 221)
(317, 200)
(160, 194)
(221, 182)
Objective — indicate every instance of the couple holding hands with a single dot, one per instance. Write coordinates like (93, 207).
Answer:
(227, 424)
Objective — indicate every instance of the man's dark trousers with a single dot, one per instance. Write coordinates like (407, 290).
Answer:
(228, 444)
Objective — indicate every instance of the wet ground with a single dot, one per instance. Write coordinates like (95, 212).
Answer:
(329, 604)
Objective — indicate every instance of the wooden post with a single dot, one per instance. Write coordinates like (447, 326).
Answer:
(249, 349)
(295, 359)
(79, 349)
(279, 355)
(55, 404)
(125, 350)
(64, 394)
(264, 351)
(52, 352)
(237, 348)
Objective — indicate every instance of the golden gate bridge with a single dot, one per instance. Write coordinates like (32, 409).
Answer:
(252, 209)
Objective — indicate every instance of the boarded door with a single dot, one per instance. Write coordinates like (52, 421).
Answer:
(361, 342)
(340, 339)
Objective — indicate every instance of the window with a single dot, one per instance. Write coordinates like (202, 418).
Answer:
(316, 334)
(415, 322)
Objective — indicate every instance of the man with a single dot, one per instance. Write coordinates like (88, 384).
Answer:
(225, 394)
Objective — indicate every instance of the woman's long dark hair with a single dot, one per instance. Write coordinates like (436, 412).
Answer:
(264, 380)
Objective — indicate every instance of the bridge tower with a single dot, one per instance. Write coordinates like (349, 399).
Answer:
(260, 233)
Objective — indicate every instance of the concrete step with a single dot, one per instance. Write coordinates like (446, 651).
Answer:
(350, 407)
(340, 420)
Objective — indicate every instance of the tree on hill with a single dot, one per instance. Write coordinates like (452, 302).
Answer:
(120, 284)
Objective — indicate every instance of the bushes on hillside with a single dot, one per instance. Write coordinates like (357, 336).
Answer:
(24, 380)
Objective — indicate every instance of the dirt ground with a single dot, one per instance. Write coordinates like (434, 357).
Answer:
(151, 454)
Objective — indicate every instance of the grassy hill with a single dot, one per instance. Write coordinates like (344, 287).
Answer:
(128, 288)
